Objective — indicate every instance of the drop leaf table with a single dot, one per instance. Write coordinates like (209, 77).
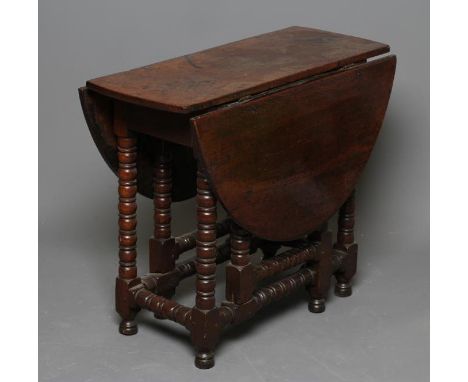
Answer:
(277, 128)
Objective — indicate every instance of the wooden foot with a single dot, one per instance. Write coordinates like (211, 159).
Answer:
(204, 360)
(343, 289)
(128, 327)
(317, 305)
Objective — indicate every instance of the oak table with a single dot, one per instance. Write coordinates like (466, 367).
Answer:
(277, 128)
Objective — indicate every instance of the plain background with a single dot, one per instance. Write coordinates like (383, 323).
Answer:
(381, 333)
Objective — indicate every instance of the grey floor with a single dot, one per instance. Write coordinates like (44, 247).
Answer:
(380, 334)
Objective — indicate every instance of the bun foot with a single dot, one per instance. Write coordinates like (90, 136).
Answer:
(317, 305)
(204, 360)
(343, 289)
(128, 328)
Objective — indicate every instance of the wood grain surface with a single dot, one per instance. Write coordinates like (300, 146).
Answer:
(228, 72)
(283, 163)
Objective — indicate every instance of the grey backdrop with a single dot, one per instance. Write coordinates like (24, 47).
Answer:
(381, 333)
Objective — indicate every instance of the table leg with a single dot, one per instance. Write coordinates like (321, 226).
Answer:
(127, 174)
(205, 324)
(345, 242)
(162, 197)
(318, 291)
(162, 244)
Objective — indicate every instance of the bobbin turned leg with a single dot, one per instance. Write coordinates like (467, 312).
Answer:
(127, 174)
(318, 291)
(205, 324)
(162, 244)
(345, 242)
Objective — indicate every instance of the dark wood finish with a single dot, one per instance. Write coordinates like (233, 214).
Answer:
(206, 329)
(228, 72)
(166, 126)
(127, 207)
(277, 127)
(162, 197)
(345, 242)
(162, 307)
(262, 172)
(98, 111)
(164, 253)
(162, 245)
(283, 288)
(345, 235)
(318, 291)
(127, 174)
(161, 283)
(187, 242)
(230, 314)
(284, 261)
(240, 280)
(206, 244)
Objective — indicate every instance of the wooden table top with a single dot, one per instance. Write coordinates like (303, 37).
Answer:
(229, 72)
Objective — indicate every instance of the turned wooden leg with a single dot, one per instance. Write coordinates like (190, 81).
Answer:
(318, 291)
(345, 242)
(205, 324)
(240, 279)
(127, 174)
(162, 244)
(162, 197)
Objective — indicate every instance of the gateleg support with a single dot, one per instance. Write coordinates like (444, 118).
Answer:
(318, 290)
(162, 244)
(345, 242)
